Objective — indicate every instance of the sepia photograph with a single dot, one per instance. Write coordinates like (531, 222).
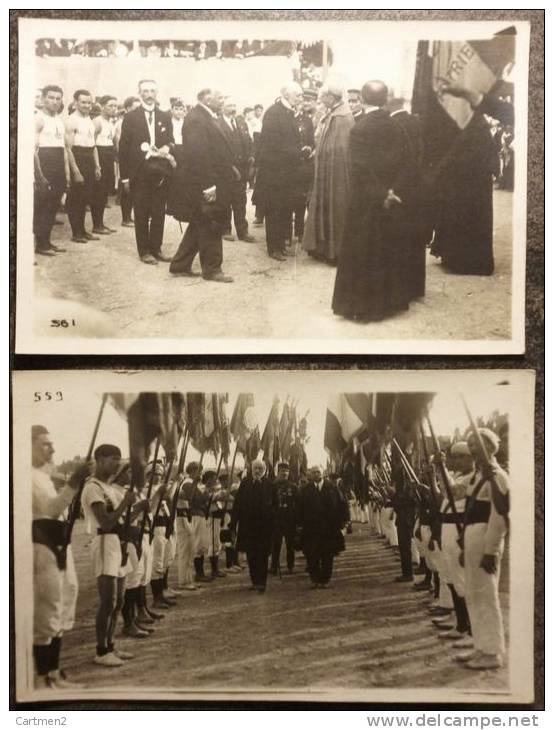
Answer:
(346, 536)
(271, 186)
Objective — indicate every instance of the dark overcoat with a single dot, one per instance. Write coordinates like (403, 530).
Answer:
(254, 512)
(321, 515)
(373, 265)
(206, 159)
(279, 158)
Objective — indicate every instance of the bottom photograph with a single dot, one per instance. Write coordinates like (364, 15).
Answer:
(349, 535)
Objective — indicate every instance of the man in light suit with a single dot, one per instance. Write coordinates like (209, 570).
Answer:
(144, 165)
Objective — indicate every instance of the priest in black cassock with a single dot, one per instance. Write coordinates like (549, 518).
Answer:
(373, 269)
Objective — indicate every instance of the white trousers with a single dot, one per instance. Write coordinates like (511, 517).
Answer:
(214, 526)
(159, 545)
(186, 550)
(451, 554)
(390, 527)
(482, 599)
(147, 555)
(134, 576)
(54, 595)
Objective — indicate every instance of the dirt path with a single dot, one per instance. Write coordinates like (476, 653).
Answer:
(268, 298)
(364, 632)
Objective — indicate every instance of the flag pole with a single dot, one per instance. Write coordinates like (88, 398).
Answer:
(148, 494)
(180, 469)
(75, 506)
(233, 464)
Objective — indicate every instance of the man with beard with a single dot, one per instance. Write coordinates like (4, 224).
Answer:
(329, 199)
(254, 514)
(373, 265)
(144, 165)
(279, 160)
(104, 139)
(204, 189)
(51, 169)
(321, 514)
(83, 161)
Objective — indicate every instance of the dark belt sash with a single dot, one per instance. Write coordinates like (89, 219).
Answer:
(52, 534)
(479, 512)
(161, 521)
(449, 519)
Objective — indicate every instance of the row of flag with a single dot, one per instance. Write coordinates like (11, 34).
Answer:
(203, 418)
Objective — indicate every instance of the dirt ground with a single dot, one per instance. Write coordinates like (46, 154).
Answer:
(268, 298)
(365, 632)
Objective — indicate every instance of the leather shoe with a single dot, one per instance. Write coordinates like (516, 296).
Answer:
(161, 257)
(79, 239)
(46, 252)
(277, 256)
(128, 224)
(228, 237)
(149, 259)
(221, 278)
(56, 249)
(247, 238)
(186, 272)
(90, 237)
(102, 231)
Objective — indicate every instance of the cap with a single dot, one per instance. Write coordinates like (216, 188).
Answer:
(105, 450)
(460, 448)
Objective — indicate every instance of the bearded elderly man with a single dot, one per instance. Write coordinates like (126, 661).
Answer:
(329, 200)
(254, 512)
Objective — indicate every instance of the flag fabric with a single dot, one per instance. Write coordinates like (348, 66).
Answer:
(223, 435)
(149, 416)
(204, 416)
(244, 427)
(477, 65)
(286, 426)
(270, 436)
(344, 420)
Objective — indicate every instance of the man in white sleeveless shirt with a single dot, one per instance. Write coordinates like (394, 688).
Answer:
(84, 165)
(104, 133)
(51, 169)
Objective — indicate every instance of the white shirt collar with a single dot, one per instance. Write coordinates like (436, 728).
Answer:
(398, 111)
(148, 108)
(370, 108)
(207, 108)
(285, 103)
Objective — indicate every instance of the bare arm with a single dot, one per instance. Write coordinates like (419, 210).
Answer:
(69, 142)
(39, 175)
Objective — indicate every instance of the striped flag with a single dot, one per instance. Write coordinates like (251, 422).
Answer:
(347, 415)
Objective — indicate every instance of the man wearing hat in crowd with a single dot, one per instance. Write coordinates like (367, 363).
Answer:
(104, 508)
(285, 518)
(254, 514)
(355, 103)
(54, 578)
(486, 524)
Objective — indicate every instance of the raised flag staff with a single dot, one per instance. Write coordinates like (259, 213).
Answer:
(148, 496)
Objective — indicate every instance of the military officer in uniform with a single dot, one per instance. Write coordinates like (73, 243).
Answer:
(284, 518)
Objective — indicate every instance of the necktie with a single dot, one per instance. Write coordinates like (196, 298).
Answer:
(150, 117)
(233, 124)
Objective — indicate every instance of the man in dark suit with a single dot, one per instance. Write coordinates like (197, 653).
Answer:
(203, 189)
(322, 513)
(254, 512)
(144, 165)
(236, 131)
(409, 191)
(279, 162)
(355, 104)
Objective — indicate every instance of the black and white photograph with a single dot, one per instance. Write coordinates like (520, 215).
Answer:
(286, 535)
(262, 186)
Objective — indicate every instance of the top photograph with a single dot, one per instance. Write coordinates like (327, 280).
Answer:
(271, 187)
